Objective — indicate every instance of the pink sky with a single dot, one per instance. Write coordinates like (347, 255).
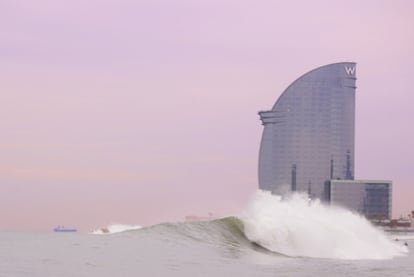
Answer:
(146, 111)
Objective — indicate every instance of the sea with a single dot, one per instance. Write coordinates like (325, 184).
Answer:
(273, 236)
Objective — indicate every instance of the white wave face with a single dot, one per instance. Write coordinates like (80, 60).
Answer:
(116, 228)
(297, 226)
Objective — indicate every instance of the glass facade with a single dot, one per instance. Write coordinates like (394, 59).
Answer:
(308, 136)
(371, 198)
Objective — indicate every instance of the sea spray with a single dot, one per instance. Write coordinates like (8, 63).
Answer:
(296, 226)
(116, 228)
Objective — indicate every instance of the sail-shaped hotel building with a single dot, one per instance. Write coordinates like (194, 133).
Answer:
(308, 141)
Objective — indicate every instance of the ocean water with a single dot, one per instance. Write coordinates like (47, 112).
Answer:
(272, 237)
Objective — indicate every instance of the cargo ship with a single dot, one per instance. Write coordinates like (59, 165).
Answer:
(62, 229)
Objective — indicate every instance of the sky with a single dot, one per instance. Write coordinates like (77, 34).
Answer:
(140, 112)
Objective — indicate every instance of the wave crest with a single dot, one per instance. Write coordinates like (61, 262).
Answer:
(115, 228)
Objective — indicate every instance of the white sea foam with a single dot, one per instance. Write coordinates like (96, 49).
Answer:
(402, 237)
(116, 228)
(296, 226)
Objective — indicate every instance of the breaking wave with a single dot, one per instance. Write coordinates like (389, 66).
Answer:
(292, 226)
(296, 226)
(116, 228)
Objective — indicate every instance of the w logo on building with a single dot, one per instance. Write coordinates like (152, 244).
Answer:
(350, 70)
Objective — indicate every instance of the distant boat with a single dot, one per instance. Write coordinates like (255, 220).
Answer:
(62, 229)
